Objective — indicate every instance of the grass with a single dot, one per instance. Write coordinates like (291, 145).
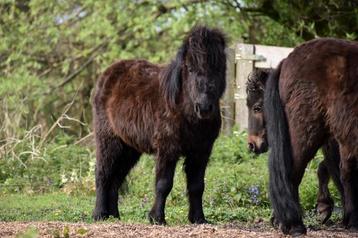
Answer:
(46, 207)
(236, 186)
(227, 197)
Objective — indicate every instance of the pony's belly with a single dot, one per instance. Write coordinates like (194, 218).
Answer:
(138, 142)
(134, 127)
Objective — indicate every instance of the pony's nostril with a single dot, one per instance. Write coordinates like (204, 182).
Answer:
(210, 109)
(197, 108)
(251, 146)
(203, 110)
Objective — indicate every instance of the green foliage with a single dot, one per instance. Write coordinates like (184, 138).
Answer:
(59, 165)
(305, 19)
(231, 148)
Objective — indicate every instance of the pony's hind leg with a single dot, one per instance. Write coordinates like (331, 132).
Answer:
(332, 161)
(328, 168)
(165, 169)
(324, 201)
(303, 153)
(348, 170)
(114, 161)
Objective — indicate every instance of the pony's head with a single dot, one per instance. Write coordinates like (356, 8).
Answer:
(197, 75)
(255, 86)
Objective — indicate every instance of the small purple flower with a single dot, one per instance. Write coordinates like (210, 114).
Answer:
(254, 193)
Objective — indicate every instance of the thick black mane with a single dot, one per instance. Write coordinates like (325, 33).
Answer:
(256, 80)
(255, 85)
(203, 49)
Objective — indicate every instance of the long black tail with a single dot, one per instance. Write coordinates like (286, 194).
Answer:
(284, 200)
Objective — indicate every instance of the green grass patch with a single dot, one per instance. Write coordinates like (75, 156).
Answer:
(227, 197)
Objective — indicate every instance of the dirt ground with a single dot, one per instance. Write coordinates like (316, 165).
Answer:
(59, 229)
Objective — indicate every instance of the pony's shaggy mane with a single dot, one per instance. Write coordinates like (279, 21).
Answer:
(202, 48)
(256, 80)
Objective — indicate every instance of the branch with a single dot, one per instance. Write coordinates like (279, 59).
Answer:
(237, 5)
(267, 9)
(162, 9)
(74, 74)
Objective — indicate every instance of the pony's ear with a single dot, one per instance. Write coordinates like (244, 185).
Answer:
(263, 75)
(172, 77)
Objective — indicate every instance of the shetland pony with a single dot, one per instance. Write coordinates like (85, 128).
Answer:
(257, 143)
(310, 97)
(170, 111)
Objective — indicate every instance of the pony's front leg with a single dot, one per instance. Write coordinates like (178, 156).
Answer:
(165, 168)
(195, 166)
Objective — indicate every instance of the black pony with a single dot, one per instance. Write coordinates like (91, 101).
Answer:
(169, 111)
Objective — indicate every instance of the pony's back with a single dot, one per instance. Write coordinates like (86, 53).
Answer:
(129, 99)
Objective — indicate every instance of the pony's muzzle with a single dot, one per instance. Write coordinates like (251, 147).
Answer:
(203, 110)
(257, 144)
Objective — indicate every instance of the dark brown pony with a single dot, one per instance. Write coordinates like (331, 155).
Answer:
(310, 97)
(169, 111)
(257, 142)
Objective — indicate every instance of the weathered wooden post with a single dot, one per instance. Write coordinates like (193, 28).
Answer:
(244, 65)
(247, 58)
(228, 102)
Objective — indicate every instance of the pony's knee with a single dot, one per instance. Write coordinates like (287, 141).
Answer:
(164, 186)
(322, 171)
(196, 188)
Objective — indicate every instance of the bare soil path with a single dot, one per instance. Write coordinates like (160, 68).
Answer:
(61, 229)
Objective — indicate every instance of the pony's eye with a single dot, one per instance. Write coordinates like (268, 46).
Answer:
(190, 69)
(257, 108)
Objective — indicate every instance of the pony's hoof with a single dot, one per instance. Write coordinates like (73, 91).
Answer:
(200, 221)
(324, 216)
(101, 216)
(324, 212)
(274, 222)
(298, 231)
(353, 229)
(156, 220)
(293, 230)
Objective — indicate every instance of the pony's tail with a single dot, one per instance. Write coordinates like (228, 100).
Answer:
(284, 200)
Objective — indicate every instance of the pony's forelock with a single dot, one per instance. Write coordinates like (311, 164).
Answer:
(206, 48)
(256, 80)
(203, 48)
